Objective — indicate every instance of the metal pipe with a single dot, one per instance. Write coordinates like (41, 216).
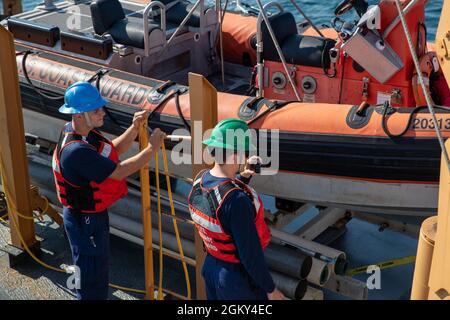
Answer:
(307, 18)
(397, 19)
(139, 241)
(135, 228)
(320, 273)
(177, 30)
(259, 52)
(294, 263)
(262, 14)
(337, 259)
(185, 20)
(147, 9)
(178, 137)
(292, 288)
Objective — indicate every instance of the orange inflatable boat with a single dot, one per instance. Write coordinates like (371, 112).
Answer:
(360, 137)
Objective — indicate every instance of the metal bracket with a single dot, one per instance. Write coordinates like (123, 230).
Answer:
(157, 94)
(357, 119)
(380, 110)
(249, 109)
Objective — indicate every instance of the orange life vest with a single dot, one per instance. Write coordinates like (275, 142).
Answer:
(96, 197)
(204, 205)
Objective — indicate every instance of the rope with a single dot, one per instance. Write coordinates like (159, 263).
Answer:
(422, 84)
(158, 201)
(175, 225)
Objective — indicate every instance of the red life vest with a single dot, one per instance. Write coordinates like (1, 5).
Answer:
(96, 197)
(204, 205)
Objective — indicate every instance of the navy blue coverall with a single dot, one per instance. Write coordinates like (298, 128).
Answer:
(250, 279)
(88, 233)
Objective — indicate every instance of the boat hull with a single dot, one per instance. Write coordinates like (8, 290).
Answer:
(400, 198)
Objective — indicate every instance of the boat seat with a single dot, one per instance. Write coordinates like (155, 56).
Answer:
(297, 49)
(176, 12)
(108, 17)
(130, 31)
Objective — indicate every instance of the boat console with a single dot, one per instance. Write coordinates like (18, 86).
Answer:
(367, 60)
(161, 39)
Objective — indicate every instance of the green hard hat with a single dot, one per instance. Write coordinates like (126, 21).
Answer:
(232, 134)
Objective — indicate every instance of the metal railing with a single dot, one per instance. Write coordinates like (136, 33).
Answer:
(185, 20)
(307, 18)
(245, 8)
(397, 20)
(259, 47)
(145, 16)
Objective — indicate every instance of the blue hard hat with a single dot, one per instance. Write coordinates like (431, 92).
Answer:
(81, 97)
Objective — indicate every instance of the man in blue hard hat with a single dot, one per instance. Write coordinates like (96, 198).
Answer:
(89, 178)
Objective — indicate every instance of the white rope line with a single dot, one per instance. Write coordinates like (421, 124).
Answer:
(422, 83)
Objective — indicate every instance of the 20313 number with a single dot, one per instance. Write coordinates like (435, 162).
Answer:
(428, 124)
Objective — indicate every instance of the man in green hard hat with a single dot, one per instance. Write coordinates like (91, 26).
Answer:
(229, 216)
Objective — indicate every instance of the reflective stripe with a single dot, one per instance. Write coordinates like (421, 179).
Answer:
(197, 181)
(106, 151)
(55, 165)
(256, 202)
(63, 143)
(218, 197)
(208, 225)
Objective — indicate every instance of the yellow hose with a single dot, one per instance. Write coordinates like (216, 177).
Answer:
(12, 208)
(175, 225)
(158, 192)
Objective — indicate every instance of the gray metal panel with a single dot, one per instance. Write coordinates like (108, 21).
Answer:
(382, 64)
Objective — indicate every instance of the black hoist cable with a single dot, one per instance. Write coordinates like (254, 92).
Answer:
(414, 111)
(27, 77)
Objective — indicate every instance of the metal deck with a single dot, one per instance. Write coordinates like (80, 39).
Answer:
(66, 15)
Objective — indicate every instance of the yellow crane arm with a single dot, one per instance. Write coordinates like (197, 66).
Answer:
(443, 40)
